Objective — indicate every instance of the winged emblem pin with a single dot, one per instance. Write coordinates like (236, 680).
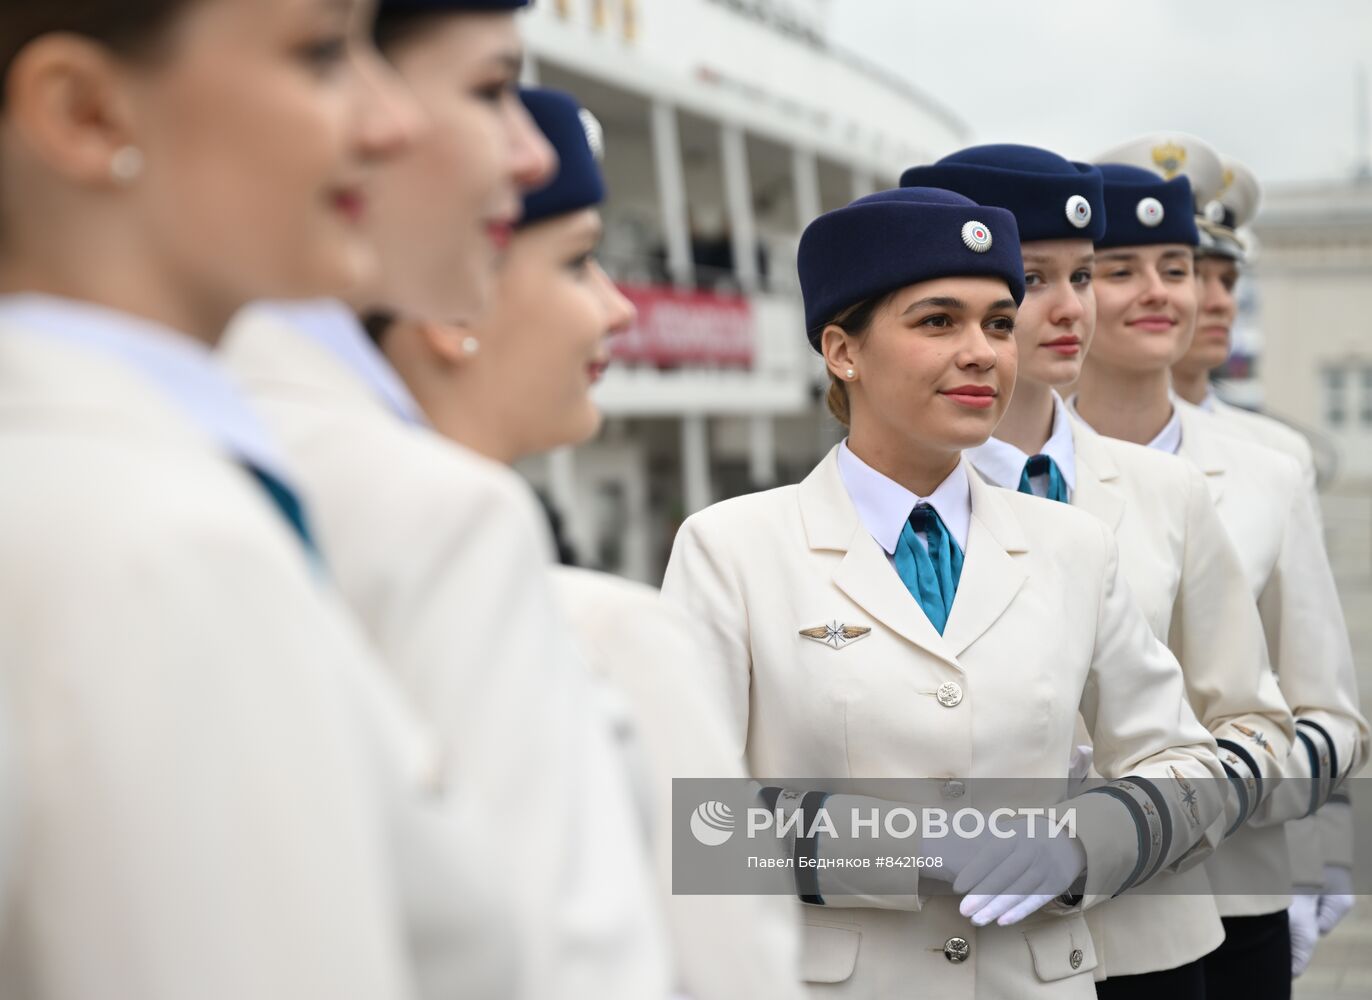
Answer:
(836, 634)
(1257, 738)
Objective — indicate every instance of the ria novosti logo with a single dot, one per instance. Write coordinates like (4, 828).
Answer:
(712, 823)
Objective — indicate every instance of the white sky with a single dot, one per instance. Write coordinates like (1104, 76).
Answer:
(1269, 82)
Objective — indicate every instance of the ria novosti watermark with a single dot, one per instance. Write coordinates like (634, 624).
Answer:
(713, 822)
(740, 836)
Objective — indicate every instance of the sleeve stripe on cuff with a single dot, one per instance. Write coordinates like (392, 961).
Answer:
(1140, 826)
(1334, 776)
(807, 876)
(1314, 759)
(1244, 776)
(1164, 820)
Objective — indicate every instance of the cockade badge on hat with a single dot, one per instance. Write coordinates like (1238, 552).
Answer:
(976, 237)
(595, 133)
(836, 634)
(1078, 211)
(1149, 211)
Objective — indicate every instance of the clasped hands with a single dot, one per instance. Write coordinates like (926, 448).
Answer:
(1007, 878)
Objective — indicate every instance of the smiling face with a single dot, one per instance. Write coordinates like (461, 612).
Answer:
(544, 339)
(444, 213)
(1145, 306)
(1057, 318)
(1216, 278)
(934, 368)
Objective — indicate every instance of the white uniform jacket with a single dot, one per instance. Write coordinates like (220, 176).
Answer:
(1268, 431)
(443, 555)
(1328, 835)
(1264, 504)
(217, 799)
(1189, 583)
(723, 947)
(1042, 627)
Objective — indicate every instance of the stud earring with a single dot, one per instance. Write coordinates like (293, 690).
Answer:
(470, 345)
(126, 166)
(850, 373)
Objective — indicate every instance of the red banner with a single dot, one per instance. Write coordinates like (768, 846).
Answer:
(685, 328)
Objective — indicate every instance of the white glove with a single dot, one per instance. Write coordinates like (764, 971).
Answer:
(1305, 931)
(1078, 768)
(1336, 899)
(1009, 879)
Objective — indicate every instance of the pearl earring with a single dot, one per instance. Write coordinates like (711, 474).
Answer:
(126, 166)
(850, 373)
(470, 345)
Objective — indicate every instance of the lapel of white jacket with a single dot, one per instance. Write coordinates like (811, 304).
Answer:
(1200, 445)
(1097, 489)
(831, 523)
(991, 576)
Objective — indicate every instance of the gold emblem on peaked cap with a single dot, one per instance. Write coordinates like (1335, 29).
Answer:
(836, 634)
(1169, 158)
(1228, 179)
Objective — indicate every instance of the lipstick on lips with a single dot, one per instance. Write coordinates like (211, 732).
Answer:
(976, 397)
(1068, 346)
(499, 232)
(350, 203)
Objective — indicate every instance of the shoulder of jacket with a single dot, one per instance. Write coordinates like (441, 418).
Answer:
(1269, 430)
(141, 510)
(1266, 467)
(431, 470)
(1060, 529)
(1158, 466)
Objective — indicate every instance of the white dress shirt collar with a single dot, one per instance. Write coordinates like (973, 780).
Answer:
(336, 328)
(883, 505)
(1003, 464)
(1208, 403)
(181, 368)
(1167, 440)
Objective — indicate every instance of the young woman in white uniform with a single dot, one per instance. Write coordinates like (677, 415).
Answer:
(443, 553)
(544, 342)
(213, 804)
(1219, 257)
(1173, 549)
(981, 620)
(1146, 311)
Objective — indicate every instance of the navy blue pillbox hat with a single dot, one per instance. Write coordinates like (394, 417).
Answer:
(575, 135)
(896, 238)
(453, 5)
(1142, 209)
(1052, 198)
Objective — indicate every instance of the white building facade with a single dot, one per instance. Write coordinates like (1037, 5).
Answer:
(730, 124)
(1313, 278)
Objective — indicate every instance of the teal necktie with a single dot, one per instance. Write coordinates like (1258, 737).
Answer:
(1042, 465)
(929, 574)
(283, 498)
